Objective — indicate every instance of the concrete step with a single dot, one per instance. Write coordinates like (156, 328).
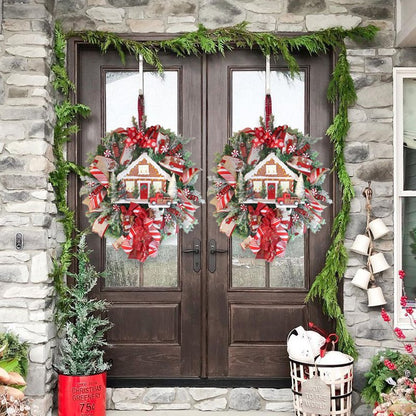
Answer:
(192, 413)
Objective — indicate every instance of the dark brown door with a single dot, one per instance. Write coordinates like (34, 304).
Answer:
(229, 319)
(253, 305)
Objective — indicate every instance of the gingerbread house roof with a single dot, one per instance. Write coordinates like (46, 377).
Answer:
(285, 171)
(143, 159)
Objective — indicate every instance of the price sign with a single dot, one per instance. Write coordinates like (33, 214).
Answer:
(316, 397)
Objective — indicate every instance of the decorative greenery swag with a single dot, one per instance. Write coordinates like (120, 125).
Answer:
(341, 92)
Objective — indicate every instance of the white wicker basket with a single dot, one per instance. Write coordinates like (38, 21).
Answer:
(341, 389)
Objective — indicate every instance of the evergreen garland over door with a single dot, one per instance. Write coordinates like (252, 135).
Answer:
(212, 323)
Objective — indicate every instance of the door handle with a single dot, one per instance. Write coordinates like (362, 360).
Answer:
(212, 258)
(196, 249)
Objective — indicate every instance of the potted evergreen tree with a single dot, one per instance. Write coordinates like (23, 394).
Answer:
(81, 366)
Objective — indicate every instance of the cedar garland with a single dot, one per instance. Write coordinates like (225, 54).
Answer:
(341, 91)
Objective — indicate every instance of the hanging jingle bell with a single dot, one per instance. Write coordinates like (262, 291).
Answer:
(378, 228)
(361, 279)
(378, 263)
(375, 296)
(361, 244)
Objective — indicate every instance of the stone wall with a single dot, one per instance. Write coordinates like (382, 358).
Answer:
(26, 134)
(26, 121)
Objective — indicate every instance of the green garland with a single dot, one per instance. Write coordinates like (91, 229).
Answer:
(203, 41)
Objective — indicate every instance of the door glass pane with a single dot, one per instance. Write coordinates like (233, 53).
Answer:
(161, 107)
(409, 247)
(160, 99)
(409, 133)
(288, 103)
(289, 271)
(246, 270)
(288, 99)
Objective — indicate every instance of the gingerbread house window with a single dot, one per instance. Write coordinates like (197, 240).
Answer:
(143, 169)
(271, 170)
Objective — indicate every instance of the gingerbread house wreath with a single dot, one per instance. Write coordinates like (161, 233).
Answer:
(271, 179)
(141, 176)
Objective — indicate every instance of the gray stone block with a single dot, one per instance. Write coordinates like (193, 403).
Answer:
(218, 13)
(128, 3)
(378, 171)
(206, 392)
(325, 21)
(23, 181)
(212, 404)
(14, 273)
(106, 14)
(277, 395)
(280, 407)
(244, 399)
(10, 163)
(375, 329)
(18, 196)
(308, 6)
(70, 6)
(371, 132)
(375, 95)
(24, 11)
(159, 395)
(379, 64)
(356, 152)
(373, 12)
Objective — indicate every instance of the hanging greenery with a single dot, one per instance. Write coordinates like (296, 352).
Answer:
(341, 91)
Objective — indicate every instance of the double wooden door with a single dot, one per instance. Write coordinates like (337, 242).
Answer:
(203, 308)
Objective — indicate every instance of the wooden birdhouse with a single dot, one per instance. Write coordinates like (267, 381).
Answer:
(271, 179)
(142, 175)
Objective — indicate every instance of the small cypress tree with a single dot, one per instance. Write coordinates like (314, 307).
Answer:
(81, 349)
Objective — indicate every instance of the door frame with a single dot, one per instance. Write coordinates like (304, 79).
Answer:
(73, 48)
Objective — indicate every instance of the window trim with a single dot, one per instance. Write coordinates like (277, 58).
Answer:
(399, 74)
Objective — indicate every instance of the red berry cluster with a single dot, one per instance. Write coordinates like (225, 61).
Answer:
(389, 364)
(385, 315)
(399, 333)
(402, 274)
(403, 301)
(408, 348)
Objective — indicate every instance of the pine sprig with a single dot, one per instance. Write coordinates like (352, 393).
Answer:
(67, 115)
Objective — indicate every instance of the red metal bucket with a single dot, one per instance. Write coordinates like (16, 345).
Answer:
(81, 395)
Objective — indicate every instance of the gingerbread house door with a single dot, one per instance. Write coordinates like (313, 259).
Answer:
(271, 191)
(203, 310)
(144, 191)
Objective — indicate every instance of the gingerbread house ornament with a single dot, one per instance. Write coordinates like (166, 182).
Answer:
(141, 176)
(273, 182)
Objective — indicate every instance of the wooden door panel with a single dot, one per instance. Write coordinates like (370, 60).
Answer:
(145, 360)
(263, 361)
(254, 323)
(136, 323)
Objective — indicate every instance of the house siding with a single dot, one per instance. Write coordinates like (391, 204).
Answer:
(26, 135)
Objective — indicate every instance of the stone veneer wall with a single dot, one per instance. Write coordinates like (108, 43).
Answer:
(204, 398)
(26, 135)
(26, 120)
